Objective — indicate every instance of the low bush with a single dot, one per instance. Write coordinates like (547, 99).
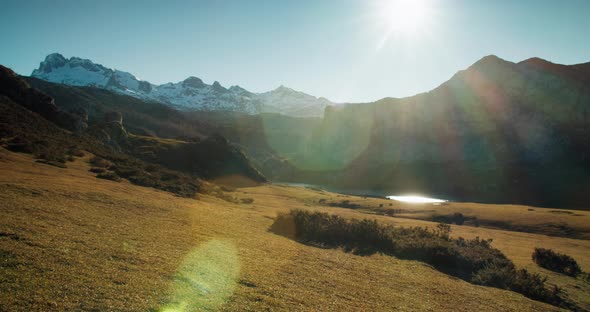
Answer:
(51, 163)
(227, 188)
(556, 262)
(345, 204)
(473, 260)
(97, 170)
(456, 218)
(532, 285)
(109, 176)
(78, 153)
(100, 162)
(247, 200)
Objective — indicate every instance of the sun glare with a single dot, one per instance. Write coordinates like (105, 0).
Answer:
(406, 16)
(408, 19)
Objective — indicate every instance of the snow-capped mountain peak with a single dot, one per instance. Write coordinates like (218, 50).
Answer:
(189, 94)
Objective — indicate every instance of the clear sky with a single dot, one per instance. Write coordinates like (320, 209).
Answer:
(345, 50)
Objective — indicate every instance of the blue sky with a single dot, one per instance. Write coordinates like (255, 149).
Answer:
(330, 48)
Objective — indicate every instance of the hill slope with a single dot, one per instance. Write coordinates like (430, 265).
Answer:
(116, 246)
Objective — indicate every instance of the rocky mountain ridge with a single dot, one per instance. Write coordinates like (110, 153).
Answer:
(189, 94)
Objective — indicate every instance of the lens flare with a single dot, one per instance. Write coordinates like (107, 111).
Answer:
(206, 278)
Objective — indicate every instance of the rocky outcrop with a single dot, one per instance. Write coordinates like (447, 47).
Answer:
(110, 131)
(18, 90)
(211, 158)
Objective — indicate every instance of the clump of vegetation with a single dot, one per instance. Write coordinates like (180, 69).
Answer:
(556, 262)
(247, 200)
(100, 162)
(456, 218)
(51, 163)
(227, 188)
(473, 260)
(97, 170)
(345, 204)
(217, 191)
(156, 176)
(77, 153)
(109, 176)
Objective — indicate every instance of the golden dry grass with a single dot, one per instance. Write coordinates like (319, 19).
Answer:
(70, 241)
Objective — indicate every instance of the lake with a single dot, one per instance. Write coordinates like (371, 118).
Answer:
(418, 199)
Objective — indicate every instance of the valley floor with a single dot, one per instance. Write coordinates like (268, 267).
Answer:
(70, 241)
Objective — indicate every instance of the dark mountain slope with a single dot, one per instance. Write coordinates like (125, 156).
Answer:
(498, 131)
(141, 117)
(199, 155)
(26, 126)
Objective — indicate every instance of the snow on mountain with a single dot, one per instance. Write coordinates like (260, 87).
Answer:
(189, 94)
(287, 101)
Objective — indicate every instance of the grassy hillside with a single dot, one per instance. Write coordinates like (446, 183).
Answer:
(69, 241)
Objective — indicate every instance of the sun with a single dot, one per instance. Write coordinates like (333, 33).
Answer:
(404, 18)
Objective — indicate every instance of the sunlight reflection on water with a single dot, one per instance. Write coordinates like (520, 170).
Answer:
(416, 199)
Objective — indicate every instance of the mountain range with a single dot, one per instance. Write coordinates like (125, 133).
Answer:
(498, 131)
(189, 94)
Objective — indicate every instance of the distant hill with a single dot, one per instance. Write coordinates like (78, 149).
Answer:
(189, 94)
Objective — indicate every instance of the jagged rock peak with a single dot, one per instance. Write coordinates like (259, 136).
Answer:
(193, 82)
(53, 60)
(218, 87)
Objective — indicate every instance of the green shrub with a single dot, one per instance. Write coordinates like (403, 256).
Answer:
(109, 176)
(227, 188)
(458, 218)
(532, 285)
(100, 162)
(97, 170)
(556, 262)
(495, 276)
(247, 200)
(51, 163)
(78, 153)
